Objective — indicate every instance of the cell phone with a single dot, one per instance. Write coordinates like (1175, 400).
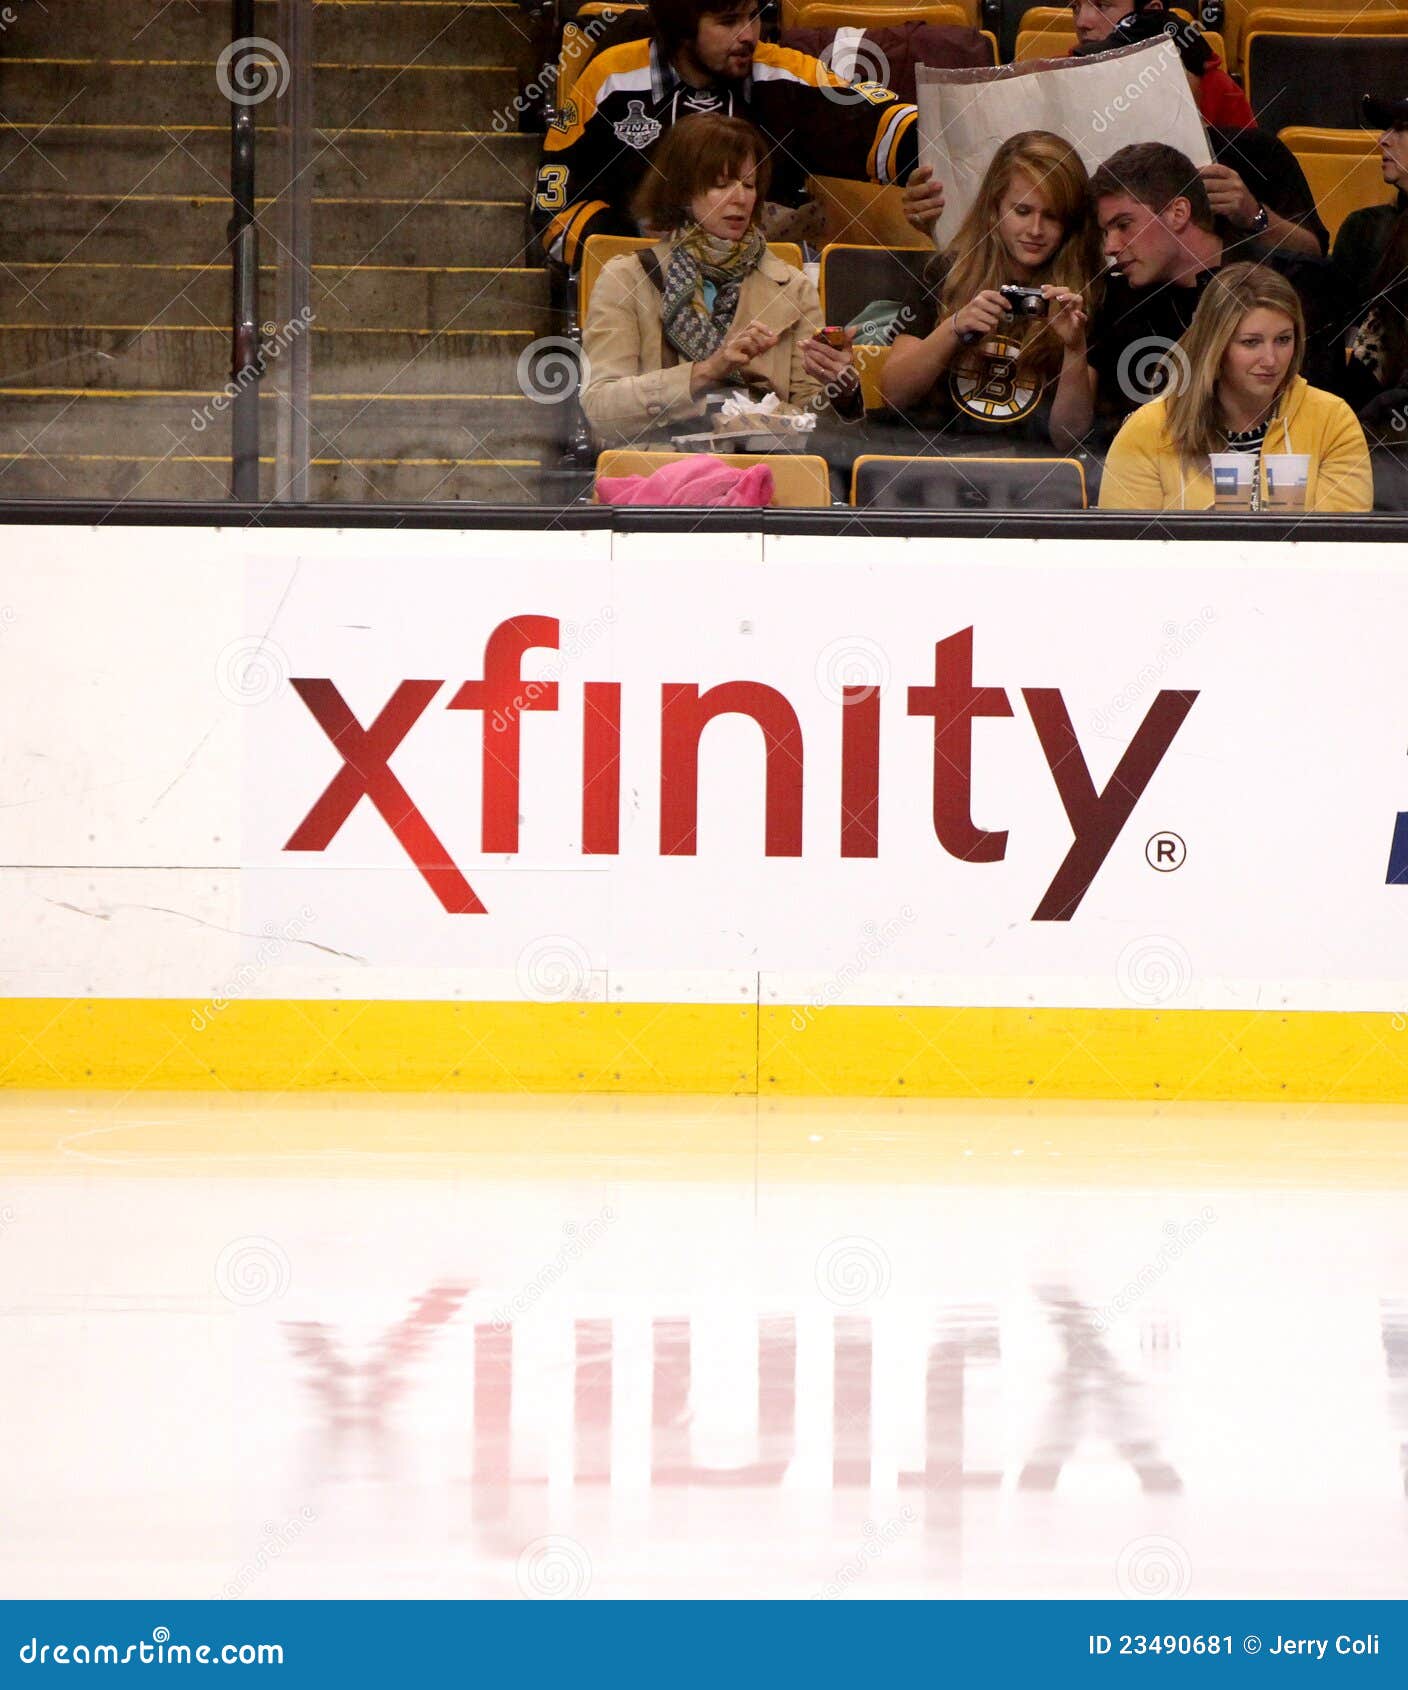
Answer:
(833, 337)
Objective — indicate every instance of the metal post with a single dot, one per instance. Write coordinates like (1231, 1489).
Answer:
(244, 259)
(293, 377)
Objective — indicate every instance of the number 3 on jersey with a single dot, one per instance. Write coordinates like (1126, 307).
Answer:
(552, 188)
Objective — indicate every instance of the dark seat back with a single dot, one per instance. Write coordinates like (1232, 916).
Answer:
(960, 484)
(1320, 79)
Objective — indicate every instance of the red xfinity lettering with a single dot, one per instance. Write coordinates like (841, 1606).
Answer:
(953, 701)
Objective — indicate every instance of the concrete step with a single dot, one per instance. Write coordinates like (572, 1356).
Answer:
(392, 30)
(70, 422)
(424, 297)
(56, 228)
(366, 481)
(381, 95)
(117, 159)
(133, 357)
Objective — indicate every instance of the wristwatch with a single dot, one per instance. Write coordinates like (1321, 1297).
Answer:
(1261, 222)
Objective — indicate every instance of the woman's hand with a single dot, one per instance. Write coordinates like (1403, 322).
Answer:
(834, 367)
(923, 200)
(1067, 317)
(982, 313)
(739, 347)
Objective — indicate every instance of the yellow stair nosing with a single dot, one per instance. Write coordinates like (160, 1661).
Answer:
(224, 329)
(207, 393)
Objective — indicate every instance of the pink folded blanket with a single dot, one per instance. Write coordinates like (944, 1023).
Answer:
(695, 480)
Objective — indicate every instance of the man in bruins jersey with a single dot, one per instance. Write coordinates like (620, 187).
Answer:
(702, 60)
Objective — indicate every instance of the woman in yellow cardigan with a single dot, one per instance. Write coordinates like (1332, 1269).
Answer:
(1235, 386)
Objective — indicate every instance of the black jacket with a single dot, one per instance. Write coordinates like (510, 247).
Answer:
(595, 153)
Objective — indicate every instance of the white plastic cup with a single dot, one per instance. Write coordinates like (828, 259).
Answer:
(1287, 478)
(1233, 474)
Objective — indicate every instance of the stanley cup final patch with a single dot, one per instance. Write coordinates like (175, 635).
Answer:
(635, 129)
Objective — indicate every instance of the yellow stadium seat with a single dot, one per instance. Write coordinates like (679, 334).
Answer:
(800, 481)
(1301, 138)
(824, 14)
(579, 42)
(1342, 177)
(879, 481)
(1362, 17)
(960, 13)
(601, 249)
(1053, 42)
(863, 213)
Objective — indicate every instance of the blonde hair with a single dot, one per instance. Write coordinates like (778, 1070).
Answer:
(1195, 424)
(976, 259)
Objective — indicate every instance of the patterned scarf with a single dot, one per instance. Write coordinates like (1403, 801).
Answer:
(1368, 345)
(691, 328)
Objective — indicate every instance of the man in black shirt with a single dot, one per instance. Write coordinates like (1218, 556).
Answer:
(1162, 241)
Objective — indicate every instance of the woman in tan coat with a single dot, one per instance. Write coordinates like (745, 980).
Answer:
(708, 308)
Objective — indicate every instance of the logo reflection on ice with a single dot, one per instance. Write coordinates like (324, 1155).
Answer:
(952, 700)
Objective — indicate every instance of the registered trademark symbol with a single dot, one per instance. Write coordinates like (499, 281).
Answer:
(1165, 852)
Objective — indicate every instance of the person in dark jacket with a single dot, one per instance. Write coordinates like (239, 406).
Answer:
(699, 59)
(1161, 240)
(1371, 266)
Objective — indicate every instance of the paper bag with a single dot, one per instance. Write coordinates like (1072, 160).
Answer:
(1099, 104)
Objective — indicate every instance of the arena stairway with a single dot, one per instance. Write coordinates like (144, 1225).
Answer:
(114, 273)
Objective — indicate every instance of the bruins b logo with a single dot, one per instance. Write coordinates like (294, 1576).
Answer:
(986, 382)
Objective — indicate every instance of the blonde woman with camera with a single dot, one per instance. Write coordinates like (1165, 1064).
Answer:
(1000, 346)
(1241, 428)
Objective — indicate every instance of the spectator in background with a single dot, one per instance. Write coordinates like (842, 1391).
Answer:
(1364, 234)
(709, 307)
(1104, 25)
(707, 58)
(1237, 388)
(967, 362)
(1161, 240)
(1371, 267)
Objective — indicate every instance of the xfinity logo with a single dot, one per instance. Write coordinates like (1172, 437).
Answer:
(951, 701)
